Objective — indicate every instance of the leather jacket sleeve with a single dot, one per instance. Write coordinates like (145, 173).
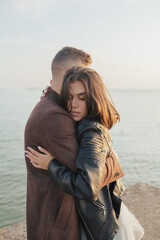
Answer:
(85, 183)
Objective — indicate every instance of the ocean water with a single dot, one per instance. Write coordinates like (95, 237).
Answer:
(136, 140)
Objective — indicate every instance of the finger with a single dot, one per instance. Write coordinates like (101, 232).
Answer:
(32, 157)
(35, 165)
(43, 150)
(33, 151)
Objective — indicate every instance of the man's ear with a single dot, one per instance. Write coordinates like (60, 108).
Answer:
(51, 82)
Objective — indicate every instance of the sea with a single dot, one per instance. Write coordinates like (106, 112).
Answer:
(136, 139)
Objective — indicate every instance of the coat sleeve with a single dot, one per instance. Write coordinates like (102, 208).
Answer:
(85, 183)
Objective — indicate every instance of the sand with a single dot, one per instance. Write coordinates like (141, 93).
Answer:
(141, 199)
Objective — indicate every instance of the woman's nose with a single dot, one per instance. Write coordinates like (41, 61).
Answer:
(74, 103)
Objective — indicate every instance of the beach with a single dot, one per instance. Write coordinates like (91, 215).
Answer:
(141, 199)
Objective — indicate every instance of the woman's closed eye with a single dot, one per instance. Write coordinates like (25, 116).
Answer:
(82, 98)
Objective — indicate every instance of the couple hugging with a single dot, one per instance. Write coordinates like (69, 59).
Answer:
(74, 191)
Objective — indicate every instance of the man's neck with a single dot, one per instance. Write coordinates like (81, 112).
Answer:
(56, 85)
(57, 90)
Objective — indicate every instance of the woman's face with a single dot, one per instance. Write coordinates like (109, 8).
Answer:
(76, 103)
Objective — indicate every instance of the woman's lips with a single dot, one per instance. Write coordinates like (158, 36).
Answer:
(74, 114)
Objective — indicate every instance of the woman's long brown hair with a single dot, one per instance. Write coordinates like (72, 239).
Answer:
(98, 104)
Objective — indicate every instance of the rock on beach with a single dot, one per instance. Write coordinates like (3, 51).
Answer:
(141, 199)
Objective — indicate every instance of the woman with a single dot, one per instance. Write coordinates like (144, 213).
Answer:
(83, 95)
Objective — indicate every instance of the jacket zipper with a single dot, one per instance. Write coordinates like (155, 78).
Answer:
(97, 204)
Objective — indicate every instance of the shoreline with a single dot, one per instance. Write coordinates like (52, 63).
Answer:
(141, 199)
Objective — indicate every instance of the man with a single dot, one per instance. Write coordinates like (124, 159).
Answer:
(51, 213)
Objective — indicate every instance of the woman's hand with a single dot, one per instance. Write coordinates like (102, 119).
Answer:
(39, 160)
(44, 92)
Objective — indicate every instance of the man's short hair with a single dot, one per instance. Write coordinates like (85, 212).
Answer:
(73, 54)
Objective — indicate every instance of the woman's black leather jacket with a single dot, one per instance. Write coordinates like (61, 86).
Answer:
(94, 146)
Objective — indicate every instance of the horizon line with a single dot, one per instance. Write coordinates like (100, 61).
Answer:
(39, 88)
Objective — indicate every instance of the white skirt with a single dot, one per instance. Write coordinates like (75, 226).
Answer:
(130, 228)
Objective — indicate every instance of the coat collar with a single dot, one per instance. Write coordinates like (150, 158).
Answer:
(54, 96)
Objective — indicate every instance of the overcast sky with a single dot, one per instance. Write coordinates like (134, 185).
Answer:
(123, 37)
